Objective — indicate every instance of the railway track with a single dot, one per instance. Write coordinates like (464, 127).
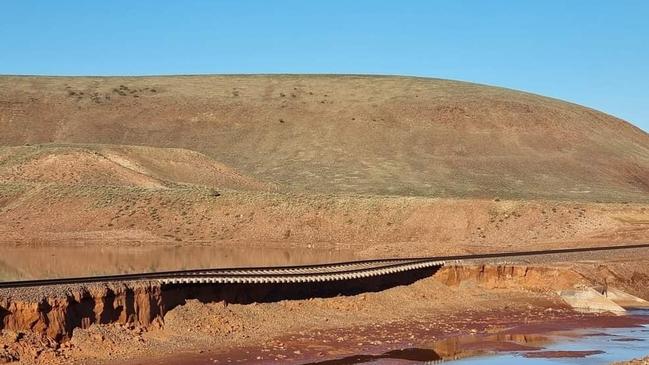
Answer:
(303, 274)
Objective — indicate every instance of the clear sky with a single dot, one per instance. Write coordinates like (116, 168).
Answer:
(592, 52)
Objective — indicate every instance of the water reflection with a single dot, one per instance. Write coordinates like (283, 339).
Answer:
(25, 263)
(412, 354)
(575, 347)
(449, 349)
(469, 346)
(552, 348)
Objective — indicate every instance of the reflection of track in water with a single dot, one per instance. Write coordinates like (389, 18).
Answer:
(457, 348)
(425, 356)
(450, 349)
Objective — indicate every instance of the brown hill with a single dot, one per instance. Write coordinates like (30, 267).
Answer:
(351, 162)
(105, 165)
(347, 134)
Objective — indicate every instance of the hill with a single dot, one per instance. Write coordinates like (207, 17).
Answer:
(107, 165)
(381, 166)
(346, 134)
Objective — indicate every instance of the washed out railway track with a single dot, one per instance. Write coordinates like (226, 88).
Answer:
(307, 273)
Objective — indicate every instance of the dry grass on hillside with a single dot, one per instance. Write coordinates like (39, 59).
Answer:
(386, 165)
(347, 134)
(107, 165)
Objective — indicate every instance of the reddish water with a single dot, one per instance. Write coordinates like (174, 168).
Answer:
(417, 342)
(23, 263)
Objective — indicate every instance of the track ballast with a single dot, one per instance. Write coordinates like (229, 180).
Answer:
(302, 274)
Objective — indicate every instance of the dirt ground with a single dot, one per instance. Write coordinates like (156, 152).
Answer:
(370, 226)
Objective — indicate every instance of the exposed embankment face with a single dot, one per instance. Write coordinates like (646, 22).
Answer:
(147, 304)
(511, 276)
(57, 316)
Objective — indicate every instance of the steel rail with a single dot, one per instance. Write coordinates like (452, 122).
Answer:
(276, 274)
(304, 273)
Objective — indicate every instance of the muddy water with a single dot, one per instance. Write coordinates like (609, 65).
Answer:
(567, 346)
(25, 263)
(585, 340)
(576, 347)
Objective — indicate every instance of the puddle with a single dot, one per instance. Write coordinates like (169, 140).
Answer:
(552, 348)
(576, 346)
(573, 347)
(26, 263)
(582, 339)
(412, 355)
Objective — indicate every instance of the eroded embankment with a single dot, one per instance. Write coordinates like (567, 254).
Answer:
(58, 314)
(511, 276)
(145, 304)
(141, 319)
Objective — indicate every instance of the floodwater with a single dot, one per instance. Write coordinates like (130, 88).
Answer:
(591, 346)
(589, 340)
(577, 347)
(36, 262)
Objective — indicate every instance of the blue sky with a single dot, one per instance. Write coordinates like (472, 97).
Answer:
(594, 53)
